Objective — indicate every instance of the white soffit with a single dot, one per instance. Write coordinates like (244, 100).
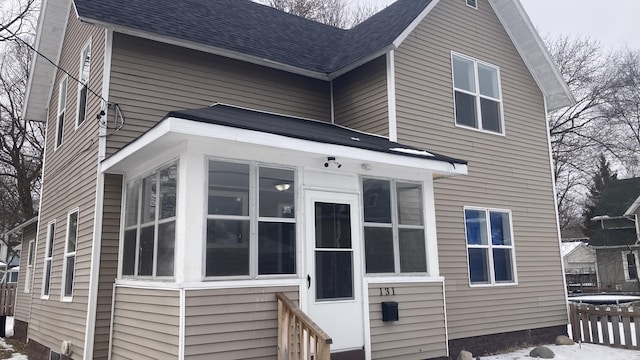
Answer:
(534, 53)
(51, 28)
(173, 131)
(633, 208)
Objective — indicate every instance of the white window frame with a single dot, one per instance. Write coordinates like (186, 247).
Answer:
(474, 5)
(254, 221)
(156, 223)
(478, 97)
(625, 265)
(83, 83)
(49, 248)
(492, 277)
(67, 254)
(61, 114)
(395, 226)
(29, 270)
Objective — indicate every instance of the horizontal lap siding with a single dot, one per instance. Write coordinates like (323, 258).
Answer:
(23, 300)
(146, 324)
(230, 324)
(360, 98)
(149, 79)
(506, 172)
(108, 263)
(420, 332)
(69, 182)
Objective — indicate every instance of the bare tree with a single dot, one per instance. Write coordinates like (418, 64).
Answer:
(17, 18)
(338, 13)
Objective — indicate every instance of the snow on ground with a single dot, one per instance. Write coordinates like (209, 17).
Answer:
(574, 352)
(604, 298)
(14, 356)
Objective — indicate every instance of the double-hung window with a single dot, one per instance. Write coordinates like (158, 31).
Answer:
(85, 61)
(28, 273)
(62, 108)
(394, 232)
(489, 246)
(70, 255)
(630, 264)
(477, 94)
(251, 225)
(150, 225)
(48, 259)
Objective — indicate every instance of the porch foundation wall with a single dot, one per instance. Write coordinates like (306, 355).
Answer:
(38, 351)
(489, 344)
(20, 330)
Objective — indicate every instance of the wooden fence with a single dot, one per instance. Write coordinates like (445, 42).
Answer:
(7, 298)
(610, 325)
(298, 335)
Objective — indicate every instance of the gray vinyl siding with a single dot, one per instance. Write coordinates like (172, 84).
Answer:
(23, 300)
(230, 324)
(69, 182)
(506, 172)
(147, 83)
(420, 332)
(146, 324)
(611, 269)
(108, 263)
(361, 98)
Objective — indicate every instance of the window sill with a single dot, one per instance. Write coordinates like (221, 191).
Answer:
(493, 285)
(393, 278)
(67, 299)
(502, 134)
(210, 284)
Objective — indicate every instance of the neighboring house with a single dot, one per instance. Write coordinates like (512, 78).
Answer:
(15, 238)
(168, 225)
(617, 240)
(580, 269)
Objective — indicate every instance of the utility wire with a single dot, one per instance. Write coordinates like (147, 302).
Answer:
(4, 28)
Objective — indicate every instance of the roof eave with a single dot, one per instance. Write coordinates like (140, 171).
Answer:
(20, 227)
(52, 23)
(631, 211)
(534, 53)
(207, 49)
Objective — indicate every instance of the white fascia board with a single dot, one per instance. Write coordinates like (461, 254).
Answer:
(534, 53)
(52, 23)
(633, 208)
(23, 225)
(172, 131)
(207, 49)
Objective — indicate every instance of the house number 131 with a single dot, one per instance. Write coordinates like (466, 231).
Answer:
(387, 291)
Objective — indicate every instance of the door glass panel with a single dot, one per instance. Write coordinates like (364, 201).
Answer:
(333, 226)
(334, 254)
(334, 272)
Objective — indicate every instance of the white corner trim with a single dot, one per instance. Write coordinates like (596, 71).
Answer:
(391, 96)
(333, 104)
(398, 41)
(446, 320)
(95, 267)
(181, 325)
(633, 208)
(113, 306)
(366, 317)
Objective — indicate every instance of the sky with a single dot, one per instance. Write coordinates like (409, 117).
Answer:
(614, 23)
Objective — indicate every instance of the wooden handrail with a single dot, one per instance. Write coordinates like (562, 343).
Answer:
(298, 335)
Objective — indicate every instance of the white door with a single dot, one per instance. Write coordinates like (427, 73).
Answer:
(334, 267)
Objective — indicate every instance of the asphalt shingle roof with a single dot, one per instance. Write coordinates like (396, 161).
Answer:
(617, 197)
(613, 237)
(249, 28)
(311, 130)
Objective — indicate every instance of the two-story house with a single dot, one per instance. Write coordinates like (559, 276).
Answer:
(203, 156)
(617, 240)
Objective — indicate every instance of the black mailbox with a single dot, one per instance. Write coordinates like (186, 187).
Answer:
(390, 311)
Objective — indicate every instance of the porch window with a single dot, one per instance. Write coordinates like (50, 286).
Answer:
(251, 227)
(630, 263)
(70, 255)
(394, 232)
(48, 259)
(30, 252)
(489, 246)
(150, 225)
(477, 94)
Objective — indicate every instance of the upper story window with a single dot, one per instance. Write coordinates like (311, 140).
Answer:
(62, 107)
(85, 61)
(48, 259)
(70, 255)
(394, 232)
(148, 246)
(489, 246)
(472, 3)
(251, 225)
(477, 94)
(630, 264)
